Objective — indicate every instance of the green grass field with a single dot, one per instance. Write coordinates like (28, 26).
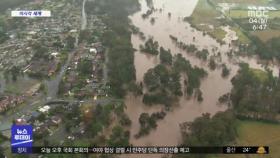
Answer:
(260, 133)
(254, 133)
(205, 15)
(241, 37)
(266, 35)
(240, 12)
(260, 74)
(218, 33)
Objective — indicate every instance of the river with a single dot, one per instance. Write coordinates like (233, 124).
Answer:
(213, 86)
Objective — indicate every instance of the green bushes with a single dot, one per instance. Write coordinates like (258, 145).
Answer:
(148, 123)
(116, 39)
(218, 130)
(150, 47)
(165, 56)
(85, 67)
(119, 137)
(225, 71)
(163, 81)
(255, 91)
(5, 4)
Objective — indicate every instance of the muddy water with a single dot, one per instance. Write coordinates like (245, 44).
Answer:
(253, 61)
(168, 131)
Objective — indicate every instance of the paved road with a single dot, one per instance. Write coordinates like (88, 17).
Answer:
(84, 17)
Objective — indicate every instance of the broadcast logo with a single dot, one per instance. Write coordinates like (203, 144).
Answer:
(21, 139)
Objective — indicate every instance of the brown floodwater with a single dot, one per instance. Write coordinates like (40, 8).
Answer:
(213, 86)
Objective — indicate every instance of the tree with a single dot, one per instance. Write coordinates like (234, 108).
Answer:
(199, 95)
(5, 4)
(255, 92)
(3, 36)
(70, 42)
(143, 119)
(165, 56)
(153, 20)
(40, 51)
(151, 80)
(84, 35)
(15, 71)
(219, 130)
(202, 54)
(212, 64)
(174, 84)
(119, 137)
(96, 127)
(150, 47)
(150, 3)
(148, 123)
(116, 39)
(125, 121)
(225, 71)
(163, 74)
(2, 152)
(85, 67)
(58, 44)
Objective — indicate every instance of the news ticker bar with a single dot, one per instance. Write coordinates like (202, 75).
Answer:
(143, 150)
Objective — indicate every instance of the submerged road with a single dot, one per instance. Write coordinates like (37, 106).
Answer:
(53, 84)
(84, 16)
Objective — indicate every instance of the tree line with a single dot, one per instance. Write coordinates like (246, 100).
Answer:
(255, 94)
(163, 81)
(120, 53)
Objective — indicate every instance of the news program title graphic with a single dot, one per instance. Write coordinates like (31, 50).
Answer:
(31, 13)
(21, 138)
